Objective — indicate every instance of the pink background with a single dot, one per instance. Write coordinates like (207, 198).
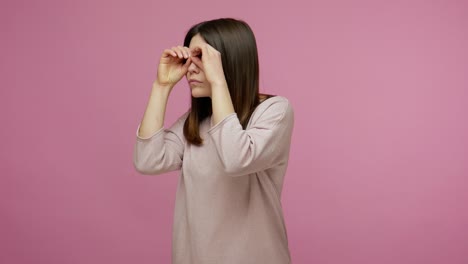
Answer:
(379, 162)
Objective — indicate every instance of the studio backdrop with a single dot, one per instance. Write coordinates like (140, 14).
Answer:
(378, 169)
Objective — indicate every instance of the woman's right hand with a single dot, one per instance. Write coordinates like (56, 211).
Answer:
(173, 65)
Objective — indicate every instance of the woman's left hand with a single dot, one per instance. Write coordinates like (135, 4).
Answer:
(208, 59)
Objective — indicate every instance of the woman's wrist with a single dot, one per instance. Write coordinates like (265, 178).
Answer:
(156, 83)
(219, 84)
(160, 89)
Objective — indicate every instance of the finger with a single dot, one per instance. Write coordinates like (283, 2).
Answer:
(209, 50)
(187, 63)
(187, 51)
(212, 50)
(179, 53)
(204, 49)
(195, 51)
(197, 61)
(183, 51)
(169, 52)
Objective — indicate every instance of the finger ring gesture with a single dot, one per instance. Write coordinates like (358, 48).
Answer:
(209, 60)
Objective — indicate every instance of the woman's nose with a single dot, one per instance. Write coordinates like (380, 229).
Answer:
(193, 68)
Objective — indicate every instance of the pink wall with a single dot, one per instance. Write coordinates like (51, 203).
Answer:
(379, 163)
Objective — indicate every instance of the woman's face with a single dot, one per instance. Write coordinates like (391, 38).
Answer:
(195, 76)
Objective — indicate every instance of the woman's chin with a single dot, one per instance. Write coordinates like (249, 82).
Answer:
(198, 94)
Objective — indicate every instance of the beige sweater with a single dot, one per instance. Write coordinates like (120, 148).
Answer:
(228, 202)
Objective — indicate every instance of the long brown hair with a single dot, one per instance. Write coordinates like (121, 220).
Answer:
(235, 41)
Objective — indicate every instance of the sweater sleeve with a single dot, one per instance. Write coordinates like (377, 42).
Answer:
(263, 145)
(162, 151)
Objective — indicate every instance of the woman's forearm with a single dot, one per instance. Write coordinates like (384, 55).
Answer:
(153, 118)
(221, 102)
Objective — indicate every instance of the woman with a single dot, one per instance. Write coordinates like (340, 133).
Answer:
(232, 147)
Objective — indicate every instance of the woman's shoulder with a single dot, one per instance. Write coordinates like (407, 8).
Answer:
(273, 107)
(274, 100)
